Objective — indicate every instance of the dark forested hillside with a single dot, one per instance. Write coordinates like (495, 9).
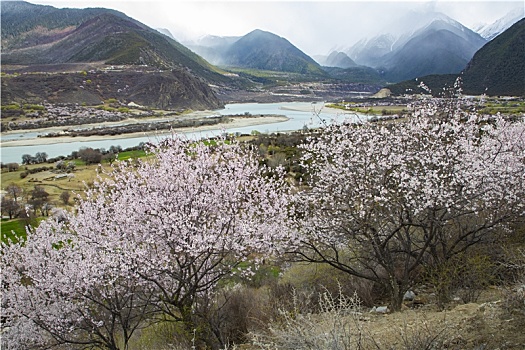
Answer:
(498, 68)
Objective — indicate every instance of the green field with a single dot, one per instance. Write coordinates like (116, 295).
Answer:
(375, 110)
(15, 230)
(131, 154)
(83, 175)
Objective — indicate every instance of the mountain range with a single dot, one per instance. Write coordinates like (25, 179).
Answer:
(43, 36)
(498, 68)
(259, 50)
(420, 44)
(491, 30)
(430, 43)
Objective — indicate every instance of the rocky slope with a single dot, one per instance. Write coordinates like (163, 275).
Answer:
(46, 36)
(175, 89)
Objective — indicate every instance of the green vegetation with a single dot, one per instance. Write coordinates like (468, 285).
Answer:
(494, 106)
(34, 107)
(26, 107)
(365, 75)
(26, 176)
(12, 106)
(107, 108)
(436, 83)
(498, 67)
(15, 230)
(131, 154)
(376, 110)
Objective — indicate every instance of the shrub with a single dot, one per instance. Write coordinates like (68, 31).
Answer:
(237, 311)
(64, 197)
(316, 278)
(336, 326)
(12, 166)
(467, 275)
(164, 335)
(476, 274)
(515, 294)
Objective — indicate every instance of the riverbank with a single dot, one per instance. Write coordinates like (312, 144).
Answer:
(233, 122)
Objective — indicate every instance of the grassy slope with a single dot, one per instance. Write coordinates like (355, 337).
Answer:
(84, 175)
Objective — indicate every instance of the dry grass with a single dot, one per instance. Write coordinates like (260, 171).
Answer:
(83, 175)
(484, 325)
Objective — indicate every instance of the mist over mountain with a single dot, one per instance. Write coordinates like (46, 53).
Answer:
(391, 36)
(337, 59)
(212, 48)
(166, 32)
(439, 48)
(491, 30)
(430, 43)
(418, 44)
(369, 52)
(498, 68)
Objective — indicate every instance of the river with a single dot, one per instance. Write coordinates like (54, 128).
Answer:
(300, 114)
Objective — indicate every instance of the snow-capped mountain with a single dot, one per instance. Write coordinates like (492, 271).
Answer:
(418, 44)
(490, 31)
(369, 51)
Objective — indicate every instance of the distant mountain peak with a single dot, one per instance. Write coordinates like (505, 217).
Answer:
(166, 32)
(259, 34)
(420, 43)
(490, 31)
(340, 60)
(264, 50)
(496, 69)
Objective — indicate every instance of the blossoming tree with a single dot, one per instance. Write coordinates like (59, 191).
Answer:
(387, 198)
(159, 234)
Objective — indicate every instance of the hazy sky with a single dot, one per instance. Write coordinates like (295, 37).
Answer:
(316, 27)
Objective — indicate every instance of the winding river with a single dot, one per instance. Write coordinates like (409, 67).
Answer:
(299, 114)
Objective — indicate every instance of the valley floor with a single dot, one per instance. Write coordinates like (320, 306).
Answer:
(234, 122)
